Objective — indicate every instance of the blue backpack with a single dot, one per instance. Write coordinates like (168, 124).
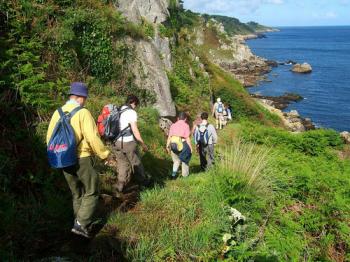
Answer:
(202, 135)
(220, 108)
(62, 147)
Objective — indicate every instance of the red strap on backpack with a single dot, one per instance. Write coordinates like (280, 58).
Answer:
(101, 120)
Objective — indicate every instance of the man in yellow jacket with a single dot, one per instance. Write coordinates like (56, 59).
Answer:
(82, 178)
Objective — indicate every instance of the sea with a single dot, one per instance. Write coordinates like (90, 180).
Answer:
(326, 90)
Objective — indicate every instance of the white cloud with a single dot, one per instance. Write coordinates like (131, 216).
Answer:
(228, 6)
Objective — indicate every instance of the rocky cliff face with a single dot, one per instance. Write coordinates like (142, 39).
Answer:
(153, 56)
(155, 11)
(231, 52)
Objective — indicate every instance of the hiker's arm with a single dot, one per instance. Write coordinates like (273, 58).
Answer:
(137, 135)
(188, 140)
(214, 134)
(168, 144)
(91, 136)
(195, 135)
(187, 136)
(193, 129)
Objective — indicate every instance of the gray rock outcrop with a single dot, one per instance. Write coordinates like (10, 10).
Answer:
(151, 74)
(304, 68)
(346, 137)
(153, 55)
(155, 11)
(291, 120)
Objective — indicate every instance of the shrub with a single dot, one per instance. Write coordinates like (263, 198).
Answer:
(314, 143)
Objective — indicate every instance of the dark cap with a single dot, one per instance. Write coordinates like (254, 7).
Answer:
(78, 89)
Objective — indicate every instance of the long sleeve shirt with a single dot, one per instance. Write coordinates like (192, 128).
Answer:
(86, 133)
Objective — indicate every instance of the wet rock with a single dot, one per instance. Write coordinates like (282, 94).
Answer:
(307, 122)
(280, 102)
(272, 63)
(294, 113)
(304, 68)
(288, 62)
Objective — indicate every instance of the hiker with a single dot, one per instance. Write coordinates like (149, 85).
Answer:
(179, 145)
(196, 122)
(205, 139)
(229, 112)
(218, 111)
(125, 147)
(225, 115)
(82, 179)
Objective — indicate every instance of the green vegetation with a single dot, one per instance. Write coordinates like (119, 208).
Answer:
(257, 27)
(232, 25)
(294, 202)
(188, 82)
(292, 189)
(235, 27)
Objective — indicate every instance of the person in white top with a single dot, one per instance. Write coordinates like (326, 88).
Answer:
(218, 112)
(125, 148)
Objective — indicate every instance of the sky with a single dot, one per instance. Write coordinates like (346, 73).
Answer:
(278, 12)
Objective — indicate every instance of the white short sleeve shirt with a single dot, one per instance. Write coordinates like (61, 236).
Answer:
(127, 117)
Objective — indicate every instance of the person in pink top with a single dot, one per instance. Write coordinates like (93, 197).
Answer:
(179, 135)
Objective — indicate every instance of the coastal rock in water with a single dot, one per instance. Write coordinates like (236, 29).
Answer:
(272, 63)
(346, 136)
(302, 68)
(294, 113)
(280, 102)
(288, 62)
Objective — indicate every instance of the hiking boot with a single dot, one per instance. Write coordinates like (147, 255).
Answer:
(80, 230)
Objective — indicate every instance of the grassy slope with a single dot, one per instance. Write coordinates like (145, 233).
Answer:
(297, 209)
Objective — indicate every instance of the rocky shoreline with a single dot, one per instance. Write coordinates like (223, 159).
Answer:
(291, 120)
(279, 102)
(251, 71)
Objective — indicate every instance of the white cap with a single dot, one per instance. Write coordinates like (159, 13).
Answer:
(219, 99)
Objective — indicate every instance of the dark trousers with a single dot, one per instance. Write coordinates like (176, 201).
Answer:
(83, 182)
(206, 156)
(128, 163)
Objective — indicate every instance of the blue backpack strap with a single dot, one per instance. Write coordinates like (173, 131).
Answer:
(70, 114)
(60, 111)
(74, 111)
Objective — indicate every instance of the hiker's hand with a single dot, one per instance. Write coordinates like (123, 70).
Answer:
(168, 150)
(111, 162)
(144, 147)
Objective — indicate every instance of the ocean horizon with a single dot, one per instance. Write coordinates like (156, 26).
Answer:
(326, 90)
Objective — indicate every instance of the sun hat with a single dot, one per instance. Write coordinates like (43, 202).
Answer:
(78, 89)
